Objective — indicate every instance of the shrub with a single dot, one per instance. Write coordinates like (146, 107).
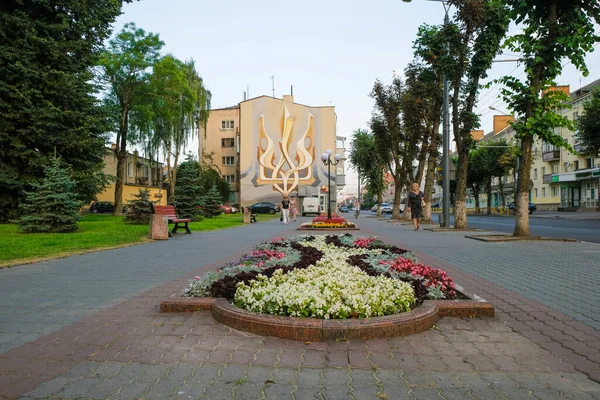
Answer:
(51, 207)
(139, 210)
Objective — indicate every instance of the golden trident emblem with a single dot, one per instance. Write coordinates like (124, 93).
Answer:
(286, 173)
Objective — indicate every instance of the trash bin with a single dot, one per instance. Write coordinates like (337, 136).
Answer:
(159, 227)
(441, 220)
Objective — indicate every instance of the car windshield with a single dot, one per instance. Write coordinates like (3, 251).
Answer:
(385, 205)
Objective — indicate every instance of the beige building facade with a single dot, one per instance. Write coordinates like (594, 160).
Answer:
(268, 147)
(140, 173)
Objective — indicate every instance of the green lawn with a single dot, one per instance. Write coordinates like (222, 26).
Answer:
(95, 232)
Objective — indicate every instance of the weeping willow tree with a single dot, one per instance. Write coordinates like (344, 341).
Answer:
(180, 104)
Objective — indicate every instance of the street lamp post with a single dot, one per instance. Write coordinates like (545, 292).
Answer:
(445, 135)
(326, 158)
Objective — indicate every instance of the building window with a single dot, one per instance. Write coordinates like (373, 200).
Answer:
(554, 191)
(130, 169)
(543, 192)
(576, 165)
(145, 171)
(228, 160)
(535, 175)
(555, 169)
(543, 170)
(229, 178)
(547, 147)
(575, 116)
(536, 192)
(227, 124)
(590, 163)
(227, 142)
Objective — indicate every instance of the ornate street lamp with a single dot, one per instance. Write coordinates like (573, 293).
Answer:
(326, 158)
(445, 134)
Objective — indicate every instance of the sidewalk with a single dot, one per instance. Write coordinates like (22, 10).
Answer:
(109, 341)
(578, 215)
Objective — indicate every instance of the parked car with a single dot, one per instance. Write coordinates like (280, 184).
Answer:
(386, 208)
(102, 207)
(344, 209)
(264, 207)
(227, 209)
(532, 207)
(436, 205)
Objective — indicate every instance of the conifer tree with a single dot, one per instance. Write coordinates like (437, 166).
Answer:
(187, 190)
(139, 210)
(52, 205)
(211, 203)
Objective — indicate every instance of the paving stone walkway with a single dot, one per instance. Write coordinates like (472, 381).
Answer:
(122, 347)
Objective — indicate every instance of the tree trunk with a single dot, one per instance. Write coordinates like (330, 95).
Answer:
(522, 199)
(460, 203)
(429, 180)
(488, 189)
(121, 153)
(501, 189)
(397, 197)
(379, 201)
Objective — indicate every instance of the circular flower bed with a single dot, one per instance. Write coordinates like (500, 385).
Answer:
(325, 276)
(322, 222)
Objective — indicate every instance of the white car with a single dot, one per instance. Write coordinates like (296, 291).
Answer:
(386, 208)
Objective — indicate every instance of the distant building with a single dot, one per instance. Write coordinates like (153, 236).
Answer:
(140, 173)
(266, 147)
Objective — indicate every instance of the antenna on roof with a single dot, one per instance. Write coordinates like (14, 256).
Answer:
(273, 84)
(292, 90)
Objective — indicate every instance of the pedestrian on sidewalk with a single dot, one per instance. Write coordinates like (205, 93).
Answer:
(293, 209)
(416, 203)
(285, 209)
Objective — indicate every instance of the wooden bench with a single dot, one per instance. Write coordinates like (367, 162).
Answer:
(171, 214)
(252, 216)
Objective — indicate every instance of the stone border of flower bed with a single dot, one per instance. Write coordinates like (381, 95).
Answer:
(326, 229)
(319, 330)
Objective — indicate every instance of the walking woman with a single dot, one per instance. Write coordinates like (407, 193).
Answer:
(285, 209)
(293, 209)
(415, 205)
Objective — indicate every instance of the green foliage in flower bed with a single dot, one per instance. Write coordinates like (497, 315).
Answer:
(332, 276)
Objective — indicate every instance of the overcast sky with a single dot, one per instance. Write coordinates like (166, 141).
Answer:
(330, 51)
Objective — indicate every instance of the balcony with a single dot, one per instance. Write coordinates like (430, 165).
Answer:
(579, 148)
(547, 178)
(552, 155)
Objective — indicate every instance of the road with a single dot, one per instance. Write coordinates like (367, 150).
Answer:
(584, 230)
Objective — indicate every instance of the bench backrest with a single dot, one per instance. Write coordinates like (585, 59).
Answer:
(169, 211)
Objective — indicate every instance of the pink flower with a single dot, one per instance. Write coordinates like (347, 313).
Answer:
(196, 278)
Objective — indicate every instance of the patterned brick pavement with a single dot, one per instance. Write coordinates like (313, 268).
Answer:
(131, 351)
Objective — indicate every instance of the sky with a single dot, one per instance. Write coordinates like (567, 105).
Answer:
(331, 52)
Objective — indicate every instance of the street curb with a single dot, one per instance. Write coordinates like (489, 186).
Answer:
(511, 238)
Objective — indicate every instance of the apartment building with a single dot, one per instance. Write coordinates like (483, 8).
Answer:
(268, 147)
(140, 173)
(560, 180)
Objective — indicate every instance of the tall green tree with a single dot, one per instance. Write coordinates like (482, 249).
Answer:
(51, 206)
(588, 126)
(480, 27)
(429, 50)
(553, 30)
(47, 103)
(366, 162)
(126, 65)
(188, 190)
(498, 160)
(396, 139)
